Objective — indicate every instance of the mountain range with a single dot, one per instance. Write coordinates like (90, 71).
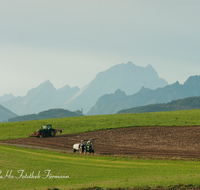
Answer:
(6, 97)
(44, 97)
(114, 102)
(127, 77)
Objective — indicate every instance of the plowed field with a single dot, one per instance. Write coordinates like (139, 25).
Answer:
(136, 141)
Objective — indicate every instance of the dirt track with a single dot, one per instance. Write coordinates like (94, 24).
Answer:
(141, 141)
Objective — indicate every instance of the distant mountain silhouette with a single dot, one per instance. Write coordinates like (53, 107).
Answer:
(175, 105)
(112, 103)
(44, 97)
(127, 77)
(6, 97)
(52, 113)
(5, 114)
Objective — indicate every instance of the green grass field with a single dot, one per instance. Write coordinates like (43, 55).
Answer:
(13, 130)
(90, 171)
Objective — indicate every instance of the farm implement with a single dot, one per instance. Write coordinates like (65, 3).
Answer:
(84, 147)
(45, 131)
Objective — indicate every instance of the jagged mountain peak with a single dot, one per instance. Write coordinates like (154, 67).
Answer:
(45, 86)
(6, 97)
(126, 77)
(67, 87)
(46, 83)
(193, 80)
(130, 77)
(40, 98)
(118, 92)
(149, 66)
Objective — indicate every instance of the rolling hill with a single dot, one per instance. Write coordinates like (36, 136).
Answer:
(175, 105)
(52, 113)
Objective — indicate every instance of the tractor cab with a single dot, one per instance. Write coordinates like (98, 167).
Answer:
(49, 126)
(43, 127)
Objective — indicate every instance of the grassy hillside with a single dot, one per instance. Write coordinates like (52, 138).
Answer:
(13, 130)
(89, 171)
(182, 104)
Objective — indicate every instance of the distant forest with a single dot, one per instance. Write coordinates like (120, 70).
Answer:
(52, 113)
(182, 104)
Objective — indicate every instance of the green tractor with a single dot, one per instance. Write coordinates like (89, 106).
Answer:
(46, 131)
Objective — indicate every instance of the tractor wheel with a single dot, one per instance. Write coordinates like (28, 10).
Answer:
(52, 134)
(44, 135)
(80, 149)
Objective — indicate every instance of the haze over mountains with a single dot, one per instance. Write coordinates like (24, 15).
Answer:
(44, 97)
(127, 77)
(112, 103)
(6, 97)
(120, 87)
(6, 114)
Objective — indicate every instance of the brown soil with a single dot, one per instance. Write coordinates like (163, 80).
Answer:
(135, 141)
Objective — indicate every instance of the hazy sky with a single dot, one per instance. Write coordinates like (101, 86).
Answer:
(70, 41)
